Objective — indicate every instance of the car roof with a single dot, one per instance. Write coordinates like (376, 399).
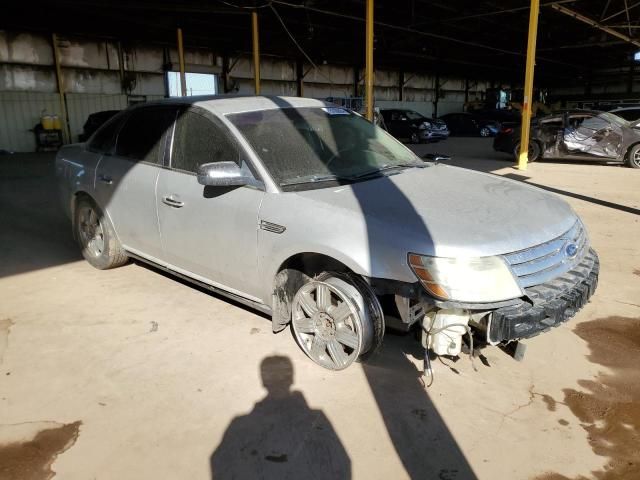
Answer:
(574, 111)
(225, 104)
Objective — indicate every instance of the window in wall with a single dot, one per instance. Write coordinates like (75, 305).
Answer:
(197, 84)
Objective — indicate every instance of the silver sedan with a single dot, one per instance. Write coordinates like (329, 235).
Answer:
(306, 211)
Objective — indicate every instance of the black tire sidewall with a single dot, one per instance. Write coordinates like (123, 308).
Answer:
(516, 150)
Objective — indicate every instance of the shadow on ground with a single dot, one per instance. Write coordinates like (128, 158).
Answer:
(282, 437)
(34, 233)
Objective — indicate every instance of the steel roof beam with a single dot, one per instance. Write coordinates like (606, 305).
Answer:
(594, 24)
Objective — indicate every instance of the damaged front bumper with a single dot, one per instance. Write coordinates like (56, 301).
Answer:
(544, 306)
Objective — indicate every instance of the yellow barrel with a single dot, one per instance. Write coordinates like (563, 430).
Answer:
(47, 122)
(57, 124)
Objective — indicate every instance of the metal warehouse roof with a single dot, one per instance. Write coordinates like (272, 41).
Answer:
(477, 39)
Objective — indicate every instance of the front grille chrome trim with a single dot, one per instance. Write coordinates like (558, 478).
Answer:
(544, 262)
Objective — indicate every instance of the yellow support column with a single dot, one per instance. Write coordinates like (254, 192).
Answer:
(183, 78)
(523, 156)
(63, 105)
(256, 51)
(368, 91)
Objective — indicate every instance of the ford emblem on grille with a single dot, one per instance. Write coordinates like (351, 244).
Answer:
(571, 250)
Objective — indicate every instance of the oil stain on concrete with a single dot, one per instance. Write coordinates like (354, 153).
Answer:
(608, 407)
(31, 459)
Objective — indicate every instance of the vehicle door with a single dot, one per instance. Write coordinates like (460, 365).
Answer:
(126, 179)
(548, 132)
(209, 233)
(591, 136)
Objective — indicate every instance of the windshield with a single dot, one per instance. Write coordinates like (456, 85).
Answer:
(306, 145)
(411, 115)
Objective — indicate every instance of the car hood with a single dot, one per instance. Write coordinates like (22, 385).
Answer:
(440, 210)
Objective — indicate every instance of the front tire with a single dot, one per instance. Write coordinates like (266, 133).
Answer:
(633, 158)
(98, 242)
(485, 132)
(336, 319)
(414, 138)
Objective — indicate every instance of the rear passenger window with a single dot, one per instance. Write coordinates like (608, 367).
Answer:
(104, 138)
(142, 135)
(197, 140)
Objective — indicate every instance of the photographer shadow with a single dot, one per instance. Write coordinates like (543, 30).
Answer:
(281, 438)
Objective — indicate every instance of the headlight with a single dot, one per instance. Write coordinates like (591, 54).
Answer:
(424, 126)
(481, 279)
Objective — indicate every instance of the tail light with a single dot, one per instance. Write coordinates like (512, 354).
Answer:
(506, 130)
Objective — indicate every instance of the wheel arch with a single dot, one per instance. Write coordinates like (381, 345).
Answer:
(79, 195)
(73, 204)
(627, 153)
(292, 273)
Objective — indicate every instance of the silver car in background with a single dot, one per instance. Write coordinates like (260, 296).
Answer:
(308, 212)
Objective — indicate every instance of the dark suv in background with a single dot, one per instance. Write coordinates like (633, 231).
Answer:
(413, 126)
(94, 122)
(471, 124)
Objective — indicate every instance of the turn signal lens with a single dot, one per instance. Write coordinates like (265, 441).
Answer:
(415, 261)
(479, 279)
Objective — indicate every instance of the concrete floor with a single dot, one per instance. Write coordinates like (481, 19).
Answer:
(129, 374)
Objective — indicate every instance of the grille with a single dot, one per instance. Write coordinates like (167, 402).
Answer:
(547, 261)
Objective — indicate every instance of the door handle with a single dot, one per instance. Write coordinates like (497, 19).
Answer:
(105, 179)
(172, 202)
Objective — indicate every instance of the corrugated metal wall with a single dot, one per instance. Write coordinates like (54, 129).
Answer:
(19, 113)
(92, 79)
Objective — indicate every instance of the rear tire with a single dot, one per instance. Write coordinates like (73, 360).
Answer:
(534, 151)
(633, 158)
(98, 242)
(336, 319)
(415, 138)
(485, 132)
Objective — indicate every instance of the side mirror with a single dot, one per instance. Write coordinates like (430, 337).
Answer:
(222, 174)
(436, 157)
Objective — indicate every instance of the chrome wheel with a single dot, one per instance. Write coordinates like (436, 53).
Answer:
(91, 231)
(327, 322)
(485, 132)
(636, 158)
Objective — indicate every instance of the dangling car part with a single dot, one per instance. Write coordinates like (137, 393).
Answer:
(305, 211)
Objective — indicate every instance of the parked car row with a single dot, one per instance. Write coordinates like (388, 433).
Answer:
(411, 126)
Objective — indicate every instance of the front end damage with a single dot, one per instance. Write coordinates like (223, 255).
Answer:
(447, 326)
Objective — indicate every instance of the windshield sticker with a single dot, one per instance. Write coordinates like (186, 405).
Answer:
(336, 111)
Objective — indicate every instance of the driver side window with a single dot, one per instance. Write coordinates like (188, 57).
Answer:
(198, 140)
